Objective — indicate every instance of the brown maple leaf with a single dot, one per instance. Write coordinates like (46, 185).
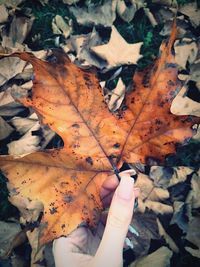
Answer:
(96, 142)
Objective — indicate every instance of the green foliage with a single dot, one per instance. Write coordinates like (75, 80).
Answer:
(41, 35)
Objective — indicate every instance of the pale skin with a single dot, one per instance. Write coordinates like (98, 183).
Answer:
(83, 249)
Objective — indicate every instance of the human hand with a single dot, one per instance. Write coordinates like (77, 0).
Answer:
(83, 249)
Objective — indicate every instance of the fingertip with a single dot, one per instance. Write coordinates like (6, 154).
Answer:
(136, 192)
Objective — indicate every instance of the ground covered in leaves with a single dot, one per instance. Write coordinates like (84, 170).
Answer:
(94, 33)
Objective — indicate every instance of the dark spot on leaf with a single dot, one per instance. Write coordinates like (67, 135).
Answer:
(76, 125)
(52, 59)
(132, 100)
(53, 210)
(63, 71)
(63, 184)
(171, 65)
(170, 83)
(88, 82)
(158, 122)
(68, 198)
(117, 145)
(89, 160)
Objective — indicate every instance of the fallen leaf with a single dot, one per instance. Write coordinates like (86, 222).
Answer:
(6, 97)
(60, 26)
(70, 2)
(164, 14)
(146, 226)
(25, 145)
(18, 31)
(117, 51)
(167, 238)
(48, 255)
(11, 109)
(183, 26)
(23, 125)
(96, 142)
(3, 14)
(167, 176)
(81, 45)
(117, 96)
(194, 72)
(159, 258)
(30, 212)
(193, 197)
(5, 129)
(30, 142)
(150, 16)
(96, 15)
(7, 232)
(193, 235)
(183, 105)
(191, 10)
(9, 68)
(12, 3)
(16, 241)
(37, 251)
(180, 215)
(152, 197)
(127, 13)
(186, 50)
(170, 3)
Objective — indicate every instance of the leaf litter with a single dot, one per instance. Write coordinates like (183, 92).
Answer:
(153, 196)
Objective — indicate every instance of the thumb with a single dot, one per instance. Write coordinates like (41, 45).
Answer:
(119, 218)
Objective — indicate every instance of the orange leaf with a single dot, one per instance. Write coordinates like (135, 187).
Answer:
(96, 142)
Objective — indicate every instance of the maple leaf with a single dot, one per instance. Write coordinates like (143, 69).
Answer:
(96, 142)
(117, 51)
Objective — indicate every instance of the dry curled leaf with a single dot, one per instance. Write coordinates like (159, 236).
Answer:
(159, 258)
(3, 14)
(167, 238)
(167, 176)
(5, 129)
(193, 235)
(147, 228)
(117, 96)
(81, 45)
(96, 15)
(8, 230)
(192, 11)
(183, 105)
(152, 197)
(96, 142)
(60, 26)
(9, 68)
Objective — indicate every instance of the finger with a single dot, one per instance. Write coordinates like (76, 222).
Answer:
(112, 182)
(109, 186)
(108, 198)
(119, 218)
